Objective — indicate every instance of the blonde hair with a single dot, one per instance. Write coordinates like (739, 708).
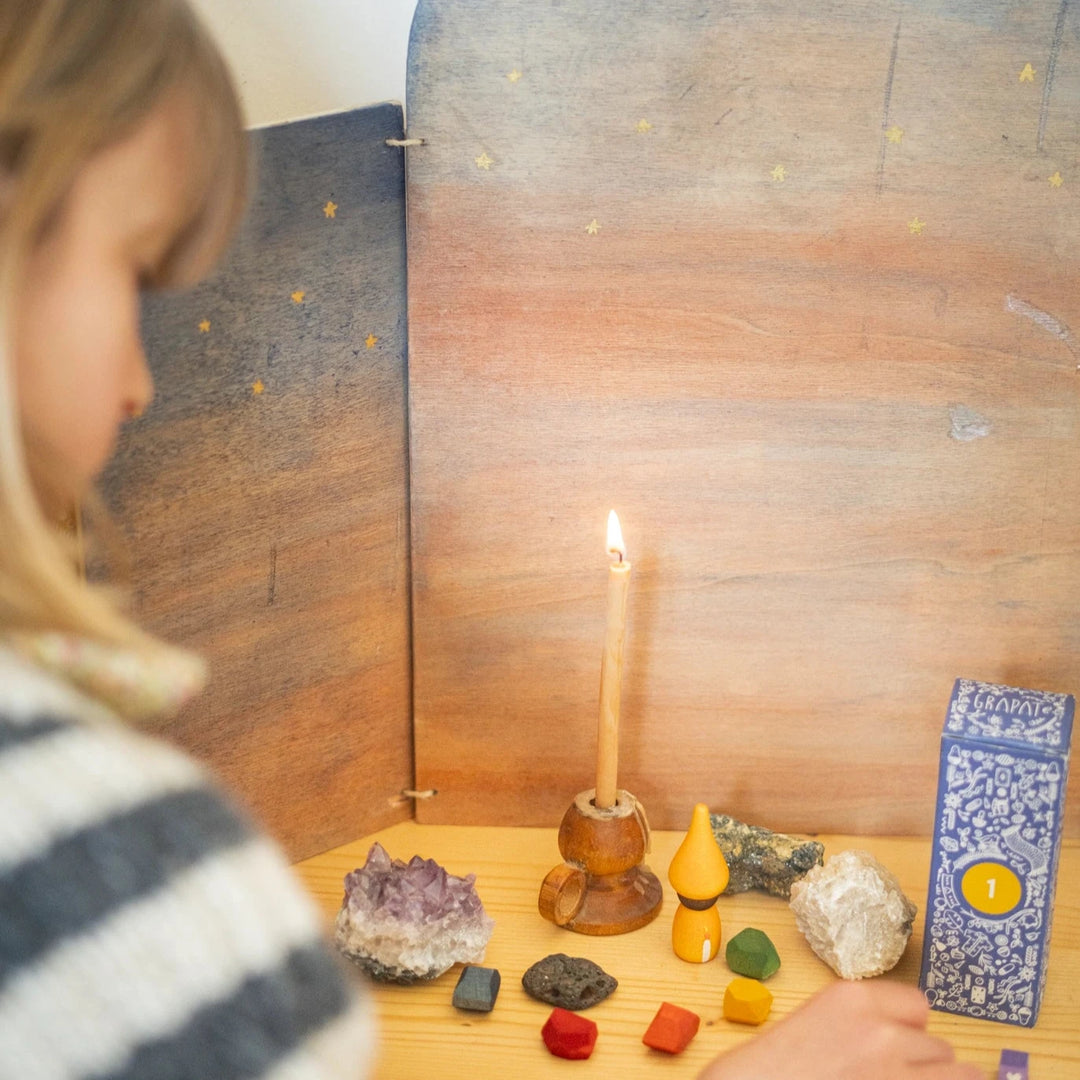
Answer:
(75, 77)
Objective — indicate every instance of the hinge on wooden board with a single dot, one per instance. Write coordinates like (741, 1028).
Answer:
(408, 793)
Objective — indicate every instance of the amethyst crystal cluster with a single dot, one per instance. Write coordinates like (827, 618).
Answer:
(402, 922)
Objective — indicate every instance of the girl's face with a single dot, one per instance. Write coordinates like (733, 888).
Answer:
(79, 361)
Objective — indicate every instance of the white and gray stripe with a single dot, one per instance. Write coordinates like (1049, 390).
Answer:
(13, 733)
(115, 862)
(343, 1048)
(57, 780)
(146, 932)
(244, 1036)
(142, 973)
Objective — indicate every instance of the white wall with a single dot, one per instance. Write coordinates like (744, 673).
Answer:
(297, 58)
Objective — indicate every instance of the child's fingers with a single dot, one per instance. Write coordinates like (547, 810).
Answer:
(905, 1004)
(918, 1048)
(956, 1071)
(887, 1000)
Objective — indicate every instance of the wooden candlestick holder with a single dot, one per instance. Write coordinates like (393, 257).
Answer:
(602, 887)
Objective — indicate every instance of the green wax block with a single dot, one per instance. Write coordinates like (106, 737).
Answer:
(751, 953)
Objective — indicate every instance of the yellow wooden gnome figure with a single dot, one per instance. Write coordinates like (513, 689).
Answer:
(699, 874)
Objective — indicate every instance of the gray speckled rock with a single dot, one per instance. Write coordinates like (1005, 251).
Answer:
(854, 914)
(758, 858)
(571, 982)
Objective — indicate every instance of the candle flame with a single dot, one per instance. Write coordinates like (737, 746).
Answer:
(616, 549)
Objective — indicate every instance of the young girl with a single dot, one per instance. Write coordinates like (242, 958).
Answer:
(146, 930)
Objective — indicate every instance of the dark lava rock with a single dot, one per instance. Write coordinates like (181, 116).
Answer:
(571, 982)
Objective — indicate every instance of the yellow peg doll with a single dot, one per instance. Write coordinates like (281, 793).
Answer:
(699, 874)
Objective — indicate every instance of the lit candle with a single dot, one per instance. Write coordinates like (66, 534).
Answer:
(607, 751)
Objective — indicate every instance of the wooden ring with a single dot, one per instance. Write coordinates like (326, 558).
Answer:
(562, 893)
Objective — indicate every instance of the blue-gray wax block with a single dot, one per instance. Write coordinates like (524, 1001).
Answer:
(477, 988)
(1013, 1065)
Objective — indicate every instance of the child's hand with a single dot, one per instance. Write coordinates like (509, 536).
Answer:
(851, 1031)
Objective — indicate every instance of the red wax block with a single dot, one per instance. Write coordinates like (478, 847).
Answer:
(671, 1029)
(568, 1035)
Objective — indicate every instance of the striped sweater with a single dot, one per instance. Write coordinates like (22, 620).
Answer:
(147, 931)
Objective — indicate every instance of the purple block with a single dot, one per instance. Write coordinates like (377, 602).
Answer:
(997, 837)
(1013, 1065)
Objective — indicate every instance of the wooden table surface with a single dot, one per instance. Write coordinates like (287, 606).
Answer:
(423, 1035)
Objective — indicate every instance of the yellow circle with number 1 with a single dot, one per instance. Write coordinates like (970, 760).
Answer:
(991, 887)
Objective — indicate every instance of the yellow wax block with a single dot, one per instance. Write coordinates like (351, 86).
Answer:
(695, 935)
(699, 871)
(746, 1001)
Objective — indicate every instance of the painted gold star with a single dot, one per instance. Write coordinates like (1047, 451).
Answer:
(644, 127)
(204, 326)
(894, 134)
(593, 227)
(779, 173)
(330, 209)
(298, 296)
(370, 340)
(1056, 180)
(514, 75)
(1028, 74)
(257, 387)
(484, 162)
(915, 226)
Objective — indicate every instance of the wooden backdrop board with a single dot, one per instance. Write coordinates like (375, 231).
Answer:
(791, 287)
(265, 491)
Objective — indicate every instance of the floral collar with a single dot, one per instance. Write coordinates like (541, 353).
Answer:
(133, 684)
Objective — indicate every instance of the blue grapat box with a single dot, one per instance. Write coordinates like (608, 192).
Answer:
(997, 834)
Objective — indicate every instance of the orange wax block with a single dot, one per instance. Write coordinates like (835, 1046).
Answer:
(698, 870)
(671, 1029)
(746, 1001)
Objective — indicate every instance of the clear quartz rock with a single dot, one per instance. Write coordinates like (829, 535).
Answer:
(854, 914)
(404, 922)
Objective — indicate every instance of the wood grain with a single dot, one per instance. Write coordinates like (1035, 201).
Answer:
(265, 492)
(423, 1035)
(828, 248)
